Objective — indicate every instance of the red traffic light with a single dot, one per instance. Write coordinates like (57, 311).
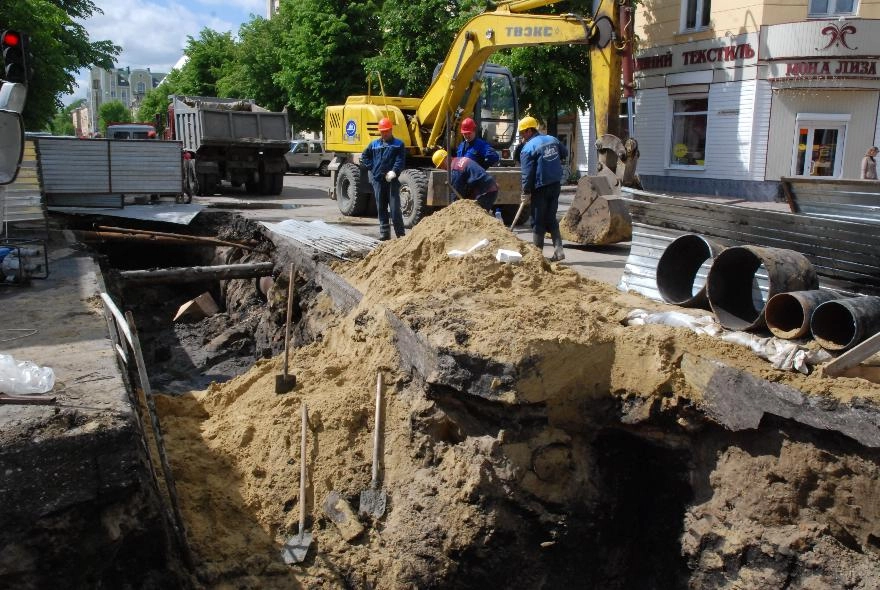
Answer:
(11, 39)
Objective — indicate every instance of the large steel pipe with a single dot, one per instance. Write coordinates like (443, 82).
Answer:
(683, 268)
(843, 323)
(743, 278)
(788, 314)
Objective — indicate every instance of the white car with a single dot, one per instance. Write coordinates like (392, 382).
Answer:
(308, 156)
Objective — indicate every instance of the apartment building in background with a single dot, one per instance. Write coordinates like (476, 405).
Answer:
(123, 84)
(732, 95)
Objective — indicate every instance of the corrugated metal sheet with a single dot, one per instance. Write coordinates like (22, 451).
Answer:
(98, 173)
(852, 200)
(846, 255)
(21, 200)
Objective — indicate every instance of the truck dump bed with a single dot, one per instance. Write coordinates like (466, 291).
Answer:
(205, 122)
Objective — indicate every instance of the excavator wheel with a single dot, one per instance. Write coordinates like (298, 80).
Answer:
(413, 195)
(349, 200)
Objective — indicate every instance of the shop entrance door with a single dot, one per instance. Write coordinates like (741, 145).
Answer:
(819, 148)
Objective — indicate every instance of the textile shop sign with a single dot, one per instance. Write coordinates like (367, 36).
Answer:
(710, 55)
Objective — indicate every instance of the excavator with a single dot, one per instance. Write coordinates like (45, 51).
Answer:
(430, 122)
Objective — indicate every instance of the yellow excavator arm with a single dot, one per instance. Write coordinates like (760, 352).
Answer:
(507, 27)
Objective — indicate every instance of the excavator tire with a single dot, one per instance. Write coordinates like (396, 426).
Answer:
(350, 201)
(413, 196)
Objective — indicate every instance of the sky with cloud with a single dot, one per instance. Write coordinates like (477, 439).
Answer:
(153, 33)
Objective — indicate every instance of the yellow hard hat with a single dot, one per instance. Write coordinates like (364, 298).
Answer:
(438, 157)
(527, 123)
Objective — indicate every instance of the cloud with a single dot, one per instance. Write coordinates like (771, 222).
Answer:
(153, 34)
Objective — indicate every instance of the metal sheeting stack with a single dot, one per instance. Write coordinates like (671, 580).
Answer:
(836, 198)
(325, 238)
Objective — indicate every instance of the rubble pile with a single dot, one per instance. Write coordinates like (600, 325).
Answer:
(584, 460)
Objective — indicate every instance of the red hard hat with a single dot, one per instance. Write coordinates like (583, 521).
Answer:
(385, 124)
(468, 125)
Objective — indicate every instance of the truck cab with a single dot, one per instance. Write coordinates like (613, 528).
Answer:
(130, 131)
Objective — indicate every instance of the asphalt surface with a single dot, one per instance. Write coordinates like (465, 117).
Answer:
(305, 198)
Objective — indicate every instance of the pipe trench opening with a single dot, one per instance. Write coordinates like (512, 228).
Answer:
(683, 268)
(787, 314)
(734, 288)
(833, 325)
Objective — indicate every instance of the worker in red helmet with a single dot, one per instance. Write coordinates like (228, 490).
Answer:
(385, 160)
(474, 147)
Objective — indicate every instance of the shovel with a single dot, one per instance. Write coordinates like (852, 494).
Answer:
(374, 499)
(522, 205)
(285, 383)
(297, 546)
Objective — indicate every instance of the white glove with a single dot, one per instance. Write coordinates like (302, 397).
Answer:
(390, 175)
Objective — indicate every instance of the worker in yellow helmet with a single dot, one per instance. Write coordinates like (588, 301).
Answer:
(385, 159)
(468, 179)
(541, 160)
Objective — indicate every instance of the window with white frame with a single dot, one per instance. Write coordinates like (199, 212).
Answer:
(689, 121)
(819, 142)
(694, 14)
(823, 8)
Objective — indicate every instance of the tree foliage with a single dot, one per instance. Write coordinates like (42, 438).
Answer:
(324, 44)
(112, 111)
(257, 61)
(211, 57)
(60, 47)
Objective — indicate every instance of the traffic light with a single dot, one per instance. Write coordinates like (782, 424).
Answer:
(15, 68)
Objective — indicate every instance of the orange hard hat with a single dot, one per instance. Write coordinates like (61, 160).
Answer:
(385, 124)
(468, 126)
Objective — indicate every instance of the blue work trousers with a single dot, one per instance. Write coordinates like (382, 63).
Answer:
(388, 196)
(545, 202)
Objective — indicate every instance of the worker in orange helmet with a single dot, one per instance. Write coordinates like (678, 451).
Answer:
(385, 159)
(474, 147)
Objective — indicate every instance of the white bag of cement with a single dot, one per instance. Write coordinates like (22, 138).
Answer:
(459, 253)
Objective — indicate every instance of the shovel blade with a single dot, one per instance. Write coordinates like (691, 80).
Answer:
(284, 383)
(373, 503)
(296, 548)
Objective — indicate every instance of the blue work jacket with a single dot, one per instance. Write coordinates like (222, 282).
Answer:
(380, 157)
(541, 161)
(479, 151)
(469, 179)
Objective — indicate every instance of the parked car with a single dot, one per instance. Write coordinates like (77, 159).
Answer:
(308, 156)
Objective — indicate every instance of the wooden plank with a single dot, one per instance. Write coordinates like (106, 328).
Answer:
(854, 356)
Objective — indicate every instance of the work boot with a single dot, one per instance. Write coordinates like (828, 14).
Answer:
(558, 252)
(384, 237)
(538, 241)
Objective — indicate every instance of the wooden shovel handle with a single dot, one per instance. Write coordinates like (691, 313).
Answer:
(377, 428)
(302, 471)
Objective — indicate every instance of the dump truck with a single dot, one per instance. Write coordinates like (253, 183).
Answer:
(431, 122)
(229, 139)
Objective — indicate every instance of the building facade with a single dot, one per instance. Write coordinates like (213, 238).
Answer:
(731, 96)
(123, 84)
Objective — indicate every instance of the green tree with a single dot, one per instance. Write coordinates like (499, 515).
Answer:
(324, 44)
(62, 122)
(211, 57)
(112, 112)
(60, 46)
(257, 60)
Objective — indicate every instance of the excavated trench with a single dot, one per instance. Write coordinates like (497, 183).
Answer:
(556, 462)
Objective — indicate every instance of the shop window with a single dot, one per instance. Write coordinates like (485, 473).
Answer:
(823, 8)
(819, 147)
(694, 14)
(689, 119)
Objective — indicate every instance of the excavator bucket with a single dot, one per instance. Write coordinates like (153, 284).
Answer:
(596, 216)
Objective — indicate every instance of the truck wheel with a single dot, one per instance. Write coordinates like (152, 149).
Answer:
(350, 202)
(252, 187)
(323, 170)
(277, 180)
(413, 195)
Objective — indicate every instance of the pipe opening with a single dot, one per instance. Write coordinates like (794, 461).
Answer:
(683, 269)
(833, 326)
(736, 288)
(786, 317)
